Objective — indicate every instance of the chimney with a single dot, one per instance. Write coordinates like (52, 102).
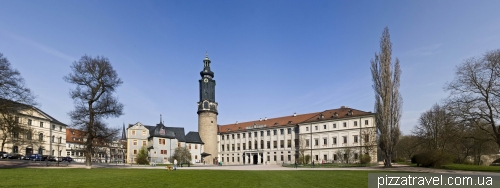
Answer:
(260, 119)
(265, 118)
(236, 122)
(294, 114)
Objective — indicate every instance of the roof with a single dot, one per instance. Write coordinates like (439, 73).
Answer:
(161, 131)
(194, 137)
(179, 133)
(267, 123)
(52, 119)
(342, 112)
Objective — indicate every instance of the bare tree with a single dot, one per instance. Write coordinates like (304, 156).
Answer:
(95, 81)
(15, 97)
(388, 100)
(369, 140)
(302, 151)
(436, 128)
(475, 93)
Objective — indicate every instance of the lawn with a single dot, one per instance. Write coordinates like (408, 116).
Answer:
(38, 177)
(471, 167)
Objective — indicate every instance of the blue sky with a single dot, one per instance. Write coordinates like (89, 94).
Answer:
(270, 58)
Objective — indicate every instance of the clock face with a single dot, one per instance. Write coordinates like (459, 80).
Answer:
(205, 80)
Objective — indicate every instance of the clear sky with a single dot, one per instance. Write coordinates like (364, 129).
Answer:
(270, 58)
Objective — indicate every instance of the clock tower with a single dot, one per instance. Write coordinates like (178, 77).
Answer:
(207, 112)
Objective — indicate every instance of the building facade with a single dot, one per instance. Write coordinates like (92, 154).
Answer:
(284, 139)
(105, 152)
(207, 113)
(42, 134)
(161, 142)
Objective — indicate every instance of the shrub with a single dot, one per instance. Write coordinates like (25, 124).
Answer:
(307, 159)
(432, 158)
(365, 159)
(142, 156)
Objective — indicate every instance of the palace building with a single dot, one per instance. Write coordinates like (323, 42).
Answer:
(331, 136)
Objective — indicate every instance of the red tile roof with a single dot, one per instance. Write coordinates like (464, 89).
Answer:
(343, 112)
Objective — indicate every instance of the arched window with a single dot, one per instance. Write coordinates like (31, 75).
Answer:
(195, 156)
(15, 149)
(52, 140)
(28, 135)
(40, 136)
(40, 150)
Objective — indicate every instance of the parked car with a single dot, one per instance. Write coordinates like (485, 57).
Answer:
(3, 155)
(35, 157)
(51, 158)
(14, 156)
(68, 159)
(26, 157)
(495, 163)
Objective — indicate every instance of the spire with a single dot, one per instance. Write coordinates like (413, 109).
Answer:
(124, 135)
(206, 55)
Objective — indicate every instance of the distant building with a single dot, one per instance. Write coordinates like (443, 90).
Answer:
(46, 135)
(105, 151)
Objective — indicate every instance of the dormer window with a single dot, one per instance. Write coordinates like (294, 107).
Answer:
(275, 123)
(289, 122)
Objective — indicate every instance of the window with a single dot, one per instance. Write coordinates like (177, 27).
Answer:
(133, 133)
(238, 146)
(243, 135)
(222, 137)
(28, 135)
(289, 131)
(196, 157)
(261, 144)
(52, 139)
(268, 144)
(40, 136)
(161, 141)
(189, 146)
(289, 143)
(307, 128)
(249, 145)
(268, 133)
(289, 158)
(135, 142)
(255, 144)
(232, 147)
(135, 151)
(60, 140)
(315, 142)
(334, 125)
(282, 144)
(227, 136)
(15, 134)
(196, 146)
(16, 120)
(227, 146)
(60, 128)
(53, 152)
(15, 149)
(178, 144)
(143, 142)
(275, 132)
(355, 156)
(275, 144)
(324, 126)
(316, 156)
(366, 122)
(355, 123)
(238, 136)
(282, 131)
(41, 124)
(255, 134)
(40, 150)
(316, 127)
(53, 127)
(223, 147)
(324, 141)
(261, 133)
(334, 157)
(307, 142)
(274, 158)
(143, 133)
(367, 138)
(244, 146)
(345, 124)
(355, 138)
(29, 122)
(232, 136)
(345, 139)
(250, 135)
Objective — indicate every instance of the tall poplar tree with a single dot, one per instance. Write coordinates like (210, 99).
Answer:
(388, 100)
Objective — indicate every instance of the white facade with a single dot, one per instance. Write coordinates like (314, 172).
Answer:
(328, 140)
(47, 135)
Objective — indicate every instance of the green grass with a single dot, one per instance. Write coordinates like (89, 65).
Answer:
(38, 177)
(471, 167)
(328, 165)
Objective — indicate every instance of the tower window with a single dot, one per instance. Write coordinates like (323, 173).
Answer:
(205, 104)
